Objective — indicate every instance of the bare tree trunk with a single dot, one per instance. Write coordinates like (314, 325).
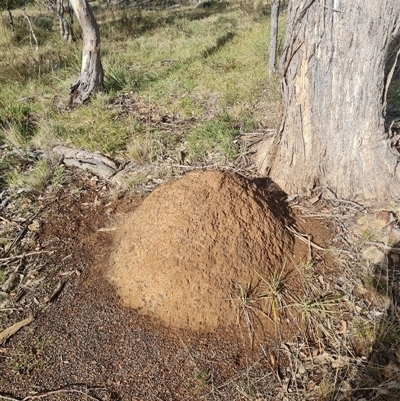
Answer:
(332, 132)
(65, 27)
(10, 20)
(273, 36)
(32, 35)
(91, 77)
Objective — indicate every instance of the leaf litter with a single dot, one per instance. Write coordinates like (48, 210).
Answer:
(84, 339)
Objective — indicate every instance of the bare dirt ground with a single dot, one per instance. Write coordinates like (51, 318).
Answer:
(88, 342)
(83, 338)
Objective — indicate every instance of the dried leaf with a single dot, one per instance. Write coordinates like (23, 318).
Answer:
(391, 371)
(34, 226)
(344, 327)
(273, 360)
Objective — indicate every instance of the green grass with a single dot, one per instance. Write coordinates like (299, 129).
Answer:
(38, 176)
(207, 64)
(212, 135)
(179, 86)
(275, 293)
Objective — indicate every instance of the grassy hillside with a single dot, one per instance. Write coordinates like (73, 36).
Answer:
(178, 82)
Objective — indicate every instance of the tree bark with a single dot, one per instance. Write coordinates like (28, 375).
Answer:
(332, 132)
(273, 36)
(65, 26)
(10, 20)
(91, 77)
(32, 36)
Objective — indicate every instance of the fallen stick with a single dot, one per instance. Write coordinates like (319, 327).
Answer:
(52, 392)
(24, 255)
(383, 246)
(307, 241)
(42, 395)
(10, 331)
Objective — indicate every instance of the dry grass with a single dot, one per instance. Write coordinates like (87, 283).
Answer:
(180, 85)
(205, 66)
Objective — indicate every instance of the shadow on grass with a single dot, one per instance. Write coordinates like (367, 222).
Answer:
(144, 79)
(221, 42)
(132, 22)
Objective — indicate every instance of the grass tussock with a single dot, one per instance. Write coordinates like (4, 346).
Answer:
(190, 63)
(180, 86)
(37, 176)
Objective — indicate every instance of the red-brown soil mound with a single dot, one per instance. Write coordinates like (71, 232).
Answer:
(182, 255)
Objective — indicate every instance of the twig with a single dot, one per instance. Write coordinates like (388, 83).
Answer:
(22, 233)
(322, 216)
(24, 255)
(349, 202)
(307, 241)
(5, 397)
(38, 396)
(383, 246)
(10, 331)
(52, 392)
(9, 221)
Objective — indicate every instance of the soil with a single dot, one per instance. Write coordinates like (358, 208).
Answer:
(190, 242)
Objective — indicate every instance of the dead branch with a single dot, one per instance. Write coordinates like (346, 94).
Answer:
(53, 392)
(10, 331)
(24, 255)
(306, 240)
(383, 246)
(97, 164)
(31, 31)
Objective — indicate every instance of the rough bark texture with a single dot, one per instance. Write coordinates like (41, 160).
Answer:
(91, 78)
(97, 164)
(332, 132)
(65, 26)
(10, 20)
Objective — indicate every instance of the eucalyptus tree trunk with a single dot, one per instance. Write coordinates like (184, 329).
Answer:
(334, 85)
(91, 77)
(65, 26)
(32, 36)
(10, 20)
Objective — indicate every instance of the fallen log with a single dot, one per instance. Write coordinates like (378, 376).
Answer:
(97, 164)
